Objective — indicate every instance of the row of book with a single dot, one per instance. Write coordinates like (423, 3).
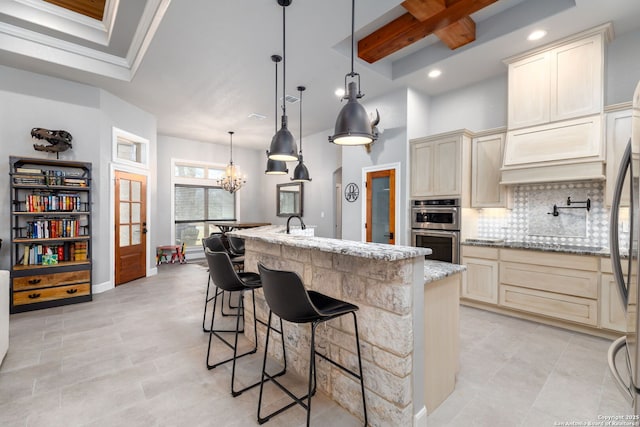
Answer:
(48, 177)
(53, 228)
(53, 203)
(54, 254)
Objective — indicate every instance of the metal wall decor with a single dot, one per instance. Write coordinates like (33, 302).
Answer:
(351, 192)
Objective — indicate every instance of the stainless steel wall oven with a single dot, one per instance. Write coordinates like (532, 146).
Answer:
(435, 224)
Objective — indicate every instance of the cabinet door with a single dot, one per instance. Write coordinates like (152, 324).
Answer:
(421, 169)
(576, 79)
(446, 167)
(486, 161)
(618, 132)
(529, 91)
(480, 281)
(612, 315)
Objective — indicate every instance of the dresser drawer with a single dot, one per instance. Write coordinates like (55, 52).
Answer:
(49, 294)
(48, 280)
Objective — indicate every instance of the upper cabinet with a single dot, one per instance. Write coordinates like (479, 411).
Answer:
(618, 132)
(440, 166)
(555, 105)
(560, 83)
(486, 158)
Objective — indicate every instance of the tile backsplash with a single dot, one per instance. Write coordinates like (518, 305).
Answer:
(531, 218)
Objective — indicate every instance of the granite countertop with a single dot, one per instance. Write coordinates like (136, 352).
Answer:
(436, 270)
(545, 247)
(276, 234)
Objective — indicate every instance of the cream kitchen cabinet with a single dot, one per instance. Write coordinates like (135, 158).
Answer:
(480, 280)
(486, 159)
(618, 132)
(440, 166)
(560, 81)
(612, 313)
(555, 285)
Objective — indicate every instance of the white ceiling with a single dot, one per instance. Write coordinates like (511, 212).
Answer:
(201, 66)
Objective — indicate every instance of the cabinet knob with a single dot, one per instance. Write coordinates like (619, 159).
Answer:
(72, 291)
(34, 296)
(34, 281)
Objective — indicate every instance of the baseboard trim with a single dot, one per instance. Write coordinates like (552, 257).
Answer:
(420, 419)
(102, 287)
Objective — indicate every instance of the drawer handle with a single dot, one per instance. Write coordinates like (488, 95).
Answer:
(34, 296)
(34, 281)
(72, 291)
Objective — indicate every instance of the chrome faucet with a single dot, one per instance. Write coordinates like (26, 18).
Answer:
(301, 222)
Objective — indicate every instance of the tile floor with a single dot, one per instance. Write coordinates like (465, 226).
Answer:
(135, 357)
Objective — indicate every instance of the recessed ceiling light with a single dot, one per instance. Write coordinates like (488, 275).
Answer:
(536, 35)
(339, 92)
(434, 73)
(257, 116)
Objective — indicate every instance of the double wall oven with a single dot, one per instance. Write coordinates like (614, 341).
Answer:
(435, 224)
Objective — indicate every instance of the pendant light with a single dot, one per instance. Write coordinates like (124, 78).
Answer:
(232, 180)
(283, 145)
(276, 167)
(352, 125)
(301, 173)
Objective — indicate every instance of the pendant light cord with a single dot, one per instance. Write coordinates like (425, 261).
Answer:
(353, 26)
(275, 103)
(231, 148)
(300, 89)
(284, 62)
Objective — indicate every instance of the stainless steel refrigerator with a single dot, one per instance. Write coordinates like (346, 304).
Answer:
(624, 353)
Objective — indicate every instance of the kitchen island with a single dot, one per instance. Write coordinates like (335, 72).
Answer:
(408, 320)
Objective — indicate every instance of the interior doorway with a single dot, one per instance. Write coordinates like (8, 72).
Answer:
(130, 227)
(380, 224)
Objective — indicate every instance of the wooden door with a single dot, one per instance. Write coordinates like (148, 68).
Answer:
(131, 227)
(381, 202)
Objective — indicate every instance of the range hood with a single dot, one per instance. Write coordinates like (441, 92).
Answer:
(570, 150)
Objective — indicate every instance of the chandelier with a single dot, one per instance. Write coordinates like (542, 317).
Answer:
(232, 180)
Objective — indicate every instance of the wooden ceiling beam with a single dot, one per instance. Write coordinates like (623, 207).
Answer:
(458, 34)
(424, 9)
(407, 29)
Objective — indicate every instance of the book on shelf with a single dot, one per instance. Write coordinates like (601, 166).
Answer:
(38, 254)
(29, 171)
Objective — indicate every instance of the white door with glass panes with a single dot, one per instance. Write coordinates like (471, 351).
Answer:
(131, 227)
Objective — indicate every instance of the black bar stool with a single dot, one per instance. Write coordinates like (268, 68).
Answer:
(227, 279)
(215, 244)
(289, 300)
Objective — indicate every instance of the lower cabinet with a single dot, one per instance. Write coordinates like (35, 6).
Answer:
(612, 314)
(480, 281)
(571, 289)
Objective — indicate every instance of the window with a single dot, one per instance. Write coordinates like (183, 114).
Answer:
(197, 200)
(129, 149)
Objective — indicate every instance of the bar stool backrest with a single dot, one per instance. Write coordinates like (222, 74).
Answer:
(222, 272)
(286, 296)
(236, 244)
(214, 243)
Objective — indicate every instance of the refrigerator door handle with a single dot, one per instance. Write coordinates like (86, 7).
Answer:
(614, 245)
(628, 391)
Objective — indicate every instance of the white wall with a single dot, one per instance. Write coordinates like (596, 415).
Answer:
(622, 68)
(476, 107)
(30, 100)
(321, 159)
(391, 147)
